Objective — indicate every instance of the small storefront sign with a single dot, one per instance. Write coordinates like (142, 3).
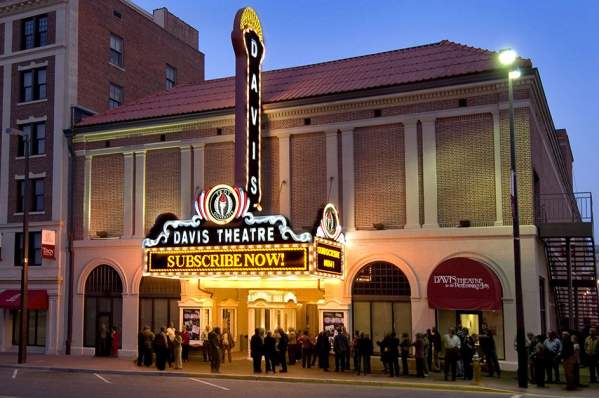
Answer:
(49, 244)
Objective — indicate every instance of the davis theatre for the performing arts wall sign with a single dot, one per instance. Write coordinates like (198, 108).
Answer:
(225, 237)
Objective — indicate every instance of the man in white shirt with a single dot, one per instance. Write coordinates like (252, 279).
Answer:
(452, 346)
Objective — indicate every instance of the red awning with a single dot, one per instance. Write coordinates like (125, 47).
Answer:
(464, 284)
(38, 299)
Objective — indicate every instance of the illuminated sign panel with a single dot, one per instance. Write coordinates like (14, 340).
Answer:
(232, 260)
(329, 257)
(248, 44)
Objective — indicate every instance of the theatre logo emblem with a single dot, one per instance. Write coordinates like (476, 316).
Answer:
(330, 222)
(221, 204)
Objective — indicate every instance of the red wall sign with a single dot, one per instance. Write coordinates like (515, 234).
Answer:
(464, 284)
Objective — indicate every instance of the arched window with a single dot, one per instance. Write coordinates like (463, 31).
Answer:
(103, 305)
(381, 301)
(158, 302)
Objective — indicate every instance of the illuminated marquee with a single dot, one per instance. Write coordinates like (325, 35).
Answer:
(225, 238)
(248, 44)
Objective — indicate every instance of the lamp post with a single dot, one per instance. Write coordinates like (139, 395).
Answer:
(23, 327)
(507, 58)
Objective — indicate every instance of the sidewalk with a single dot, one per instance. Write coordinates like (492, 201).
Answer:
(241, 368)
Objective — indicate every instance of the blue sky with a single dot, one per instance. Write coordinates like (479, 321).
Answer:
(561, 38)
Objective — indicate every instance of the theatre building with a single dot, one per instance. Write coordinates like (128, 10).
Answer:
(371, 191)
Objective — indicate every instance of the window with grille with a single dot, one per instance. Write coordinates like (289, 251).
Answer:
(36, 335)
(115, 98)
(37, 136)
(116, 50)
(158, 302)
(35, 249)
(36, 203)
(33, 85)
(171, 77)
(381, 279)
(34, 32)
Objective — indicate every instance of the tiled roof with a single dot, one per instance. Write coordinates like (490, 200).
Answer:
(429, 62)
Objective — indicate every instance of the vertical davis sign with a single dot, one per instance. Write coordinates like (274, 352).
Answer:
(248, 43)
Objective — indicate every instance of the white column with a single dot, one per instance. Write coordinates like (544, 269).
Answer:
(87, 187)
(284, 176)
(128, 199)
(198, 168)
(130, 324)
(411, 166)
(5, 138)
(186, 191)
(497, 153)
(429, 169)
(347, 165)
(59, 158)
(332, 167)
(140, 193)
(53, 324)
(7, 41)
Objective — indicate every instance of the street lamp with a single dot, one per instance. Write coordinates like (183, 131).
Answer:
(23, 338)
(508, 58)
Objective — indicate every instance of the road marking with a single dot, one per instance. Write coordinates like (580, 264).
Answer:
(102, 378)
(209, 384)
(516, 396)
(14, 373)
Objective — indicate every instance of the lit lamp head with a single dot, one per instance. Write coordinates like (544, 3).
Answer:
(507, 57)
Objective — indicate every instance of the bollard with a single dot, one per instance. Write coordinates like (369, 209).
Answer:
(476, 368)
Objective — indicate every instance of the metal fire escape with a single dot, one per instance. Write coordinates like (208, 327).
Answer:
(565, 223)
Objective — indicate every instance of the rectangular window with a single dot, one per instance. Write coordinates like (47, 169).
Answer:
(35, 249)
(37, 195)
(34, 32)
(171, 77)
(33, 85)
(37, 134)
(37, 328)
(116, 50)
(116, 96)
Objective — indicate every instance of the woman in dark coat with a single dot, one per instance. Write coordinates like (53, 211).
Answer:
(257, 350)
(270, 352)
(323, 347)
(161, 348)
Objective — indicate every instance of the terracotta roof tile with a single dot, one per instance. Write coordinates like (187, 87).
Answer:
(410, 65)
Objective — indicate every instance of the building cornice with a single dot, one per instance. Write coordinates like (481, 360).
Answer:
(13, 7)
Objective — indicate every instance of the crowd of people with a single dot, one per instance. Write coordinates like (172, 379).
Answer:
(453, 353)
(546, 353)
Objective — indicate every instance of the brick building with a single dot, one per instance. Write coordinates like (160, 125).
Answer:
(411, 145)
(60, 59)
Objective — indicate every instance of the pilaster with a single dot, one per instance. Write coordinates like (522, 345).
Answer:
(140, 192)
(429, 172)
(347, 164)
(411, 167)
(284, 176)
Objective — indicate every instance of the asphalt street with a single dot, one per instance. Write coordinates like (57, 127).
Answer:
(24, 383)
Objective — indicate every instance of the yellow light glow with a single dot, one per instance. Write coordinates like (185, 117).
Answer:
(515, 74)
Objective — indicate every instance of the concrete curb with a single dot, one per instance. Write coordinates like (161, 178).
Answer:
(280, 379)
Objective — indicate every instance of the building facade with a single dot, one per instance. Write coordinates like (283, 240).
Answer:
(412, 146)
(60, 59)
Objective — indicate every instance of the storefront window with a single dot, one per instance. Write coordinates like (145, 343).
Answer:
(381, 301)
(36, 331)
(159, 302)
(103, 304)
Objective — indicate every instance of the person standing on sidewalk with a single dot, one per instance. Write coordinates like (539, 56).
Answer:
(467, 354)
(491, 355)
(148, 346)
(355, 350)
(114, 335)
(140, 347)
(340, 347)
(204, 343)
(185, 344)
(306, 343)
(591, 349)
(435, 339)
(161, 348)
(366, 348)
(452, 347)
(291, 345)
(323, 347)
(228, 344)
(257, 351)
(405, 345)
(539, 360)
(419, 354)
(393, 354)
(170, 334)
(554, 352)
(569, 360)
(282, 347)
(178, 350)
(214, 347)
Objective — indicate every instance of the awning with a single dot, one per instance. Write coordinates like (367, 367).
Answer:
(38, 299)
(464, 284)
